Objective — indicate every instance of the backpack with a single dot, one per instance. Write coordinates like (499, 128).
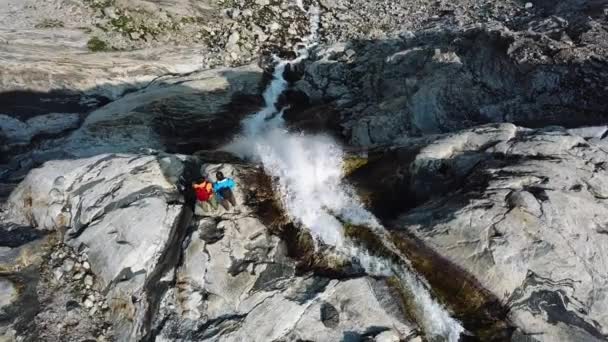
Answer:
(204, 191)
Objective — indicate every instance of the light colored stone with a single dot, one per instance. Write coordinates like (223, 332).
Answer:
(68, 265)
(532, 232)
(590, 132)
(232, 44)
(58, 273)
(20, 132)
(8, 292)
(88, 280)
(274, 26)
(88, 303)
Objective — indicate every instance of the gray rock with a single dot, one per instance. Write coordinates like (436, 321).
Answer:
(123, 213)
(8, 292)
(88, 303)
(169, 114)
(232, 45)
(103, 200)
(598, 132)
(68, 265)
(19, 132)
(88, 280)
(430, 82)
(58, 273)
(526, 222)
(246, 283)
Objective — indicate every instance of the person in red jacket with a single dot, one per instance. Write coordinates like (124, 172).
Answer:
(204, 194)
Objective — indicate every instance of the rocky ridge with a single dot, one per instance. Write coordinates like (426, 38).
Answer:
(450, 77)
(230, 277)
(509, 206)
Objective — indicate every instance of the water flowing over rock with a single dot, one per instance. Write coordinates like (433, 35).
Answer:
(521, 210)
(128, 216)
(527, 223)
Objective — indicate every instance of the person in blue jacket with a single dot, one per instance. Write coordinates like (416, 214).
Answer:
(223, 190)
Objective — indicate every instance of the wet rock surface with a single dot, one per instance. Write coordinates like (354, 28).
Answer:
(135, 263)
(520, 211)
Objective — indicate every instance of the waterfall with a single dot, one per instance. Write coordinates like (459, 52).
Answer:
(308, 169)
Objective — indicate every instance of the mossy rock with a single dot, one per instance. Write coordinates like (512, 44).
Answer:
(311, 256)
(353, 163)
(477, 309)
(95, 44)
(49, 23)
(369, 240)
(99, 3)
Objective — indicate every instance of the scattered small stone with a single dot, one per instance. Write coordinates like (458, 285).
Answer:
(110, 12)
(58, 273)
(68, 265)
(529, 5)
(274, 26)
(88, 280)
(88, 303)
(232, 41)
(86, 265)
(71, 305)
(78, 275)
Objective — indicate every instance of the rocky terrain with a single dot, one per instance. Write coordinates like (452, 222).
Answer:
(475, 131)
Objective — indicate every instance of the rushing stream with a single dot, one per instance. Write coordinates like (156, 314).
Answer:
(309, 172)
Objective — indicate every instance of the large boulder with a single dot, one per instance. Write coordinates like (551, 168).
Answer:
(524, 212)
(137, 262)
(447, 78)
(122, 211)
(198, 111)
(176, 113)
(237, 283)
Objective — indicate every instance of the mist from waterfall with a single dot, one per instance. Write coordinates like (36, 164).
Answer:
(308, 171)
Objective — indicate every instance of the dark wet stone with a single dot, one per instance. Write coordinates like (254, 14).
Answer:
(329, 315)
(24, 105)
(71, 305)
(13, 236)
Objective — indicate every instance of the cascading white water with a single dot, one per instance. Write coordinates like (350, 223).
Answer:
(308, 169)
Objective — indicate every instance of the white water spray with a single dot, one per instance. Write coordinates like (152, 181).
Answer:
(308, 169)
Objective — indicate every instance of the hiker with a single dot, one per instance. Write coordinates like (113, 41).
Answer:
(204, 194)
(223, 190)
